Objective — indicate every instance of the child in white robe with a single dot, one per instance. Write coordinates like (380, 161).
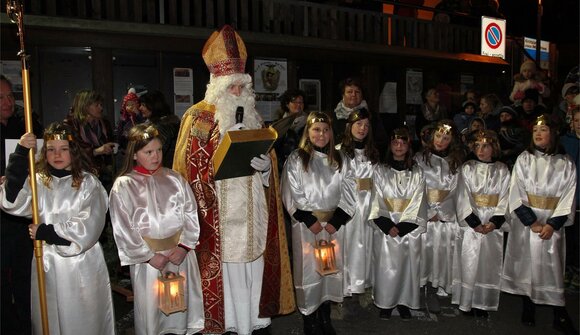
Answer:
(400, 214)
(361, 156)
(72, 205)
(541, 202)
(318, 193)
(482, 201)
(155, 224)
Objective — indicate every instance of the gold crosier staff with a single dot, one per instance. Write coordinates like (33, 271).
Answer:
(15, 10)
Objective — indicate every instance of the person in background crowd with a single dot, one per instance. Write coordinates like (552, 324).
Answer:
(353, 99)
(463, 119)
(93, 132)
(318, 192)
(440, 162)
(360, 157)
(571, 143)
(528, 78)
(15, 246)
(72, 206)
(489, 106)
(242, 250)
(529, 110)
(130, 117)
(482, 201)
(541, 199)
(511, 136)
(431, 110)
(566, 108)
(292, 104)
(160, 241)
(157, 112)
(400, 214)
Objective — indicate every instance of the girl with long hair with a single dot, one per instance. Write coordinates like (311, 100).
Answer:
(71, 205)
(400, 214)
(318, 193)
(155, 224)
(440, 161)
(361, 157)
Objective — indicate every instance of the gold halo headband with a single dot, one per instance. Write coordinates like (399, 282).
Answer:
(150, 133)
(486, 136)
(318, 118)
(541, 121)
(444, 129)
(358, 114)
(62, 136)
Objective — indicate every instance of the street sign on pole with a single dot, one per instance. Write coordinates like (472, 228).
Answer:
(493, 35)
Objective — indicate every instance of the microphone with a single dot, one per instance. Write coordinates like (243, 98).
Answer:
(239, 114)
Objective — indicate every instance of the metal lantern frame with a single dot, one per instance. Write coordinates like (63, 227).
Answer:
(325, 258)
(171, 292)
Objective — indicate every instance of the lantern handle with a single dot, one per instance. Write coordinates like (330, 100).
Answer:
(168, 272)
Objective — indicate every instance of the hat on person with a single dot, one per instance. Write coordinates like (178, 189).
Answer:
(567, 87)
(131, 96)
(224, 53)
(469, 103)
(531, 94)
(509, 110)
(528, 65)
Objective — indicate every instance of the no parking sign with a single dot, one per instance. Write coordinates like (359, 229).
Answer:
(493, 35)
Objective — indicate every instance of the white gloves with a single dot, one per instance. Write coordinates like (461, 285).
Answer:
(237, 126)
(262, 163)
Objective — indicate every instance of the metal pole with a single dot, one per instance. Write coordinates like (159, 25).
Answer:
(15, 11)
(539, 33)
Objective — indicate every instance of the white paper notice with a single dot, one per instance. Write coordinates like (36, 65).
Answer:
(183, 81)
(10, 145)
(388, 98)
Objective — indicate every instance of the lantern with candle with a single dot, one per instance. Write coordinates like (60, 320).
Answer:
(325, 259)
(171, 288)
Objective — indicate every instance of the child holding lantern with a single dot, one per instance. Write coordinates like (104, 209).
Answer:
(71, 207)
(155, 225)
(318, 192)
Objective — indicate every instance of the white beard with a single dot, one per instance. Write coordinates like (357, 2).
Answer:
(227, 103)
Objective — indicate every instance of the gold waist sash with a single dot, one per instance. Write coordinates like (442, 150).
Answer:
(396, 205)
(323, 216)
(161, 244)
(364, 184)
(434, 195)
(542, 202)
(485, 200)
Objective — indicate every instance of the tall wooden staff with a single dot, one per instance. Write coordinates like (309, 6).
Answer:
(15, 10)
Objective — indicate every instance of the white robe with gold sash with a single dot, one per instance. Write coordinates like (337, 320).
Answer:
(534, 267)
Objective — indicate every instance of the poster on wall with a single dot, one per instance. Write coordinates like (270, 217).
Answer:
(270, 81)
(414, 87)
(388, 98)
(311, 88)
(182, 90)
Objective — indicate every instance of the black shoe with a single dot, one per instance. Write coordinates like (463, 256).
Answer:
(311, 324)
(480, 313)
(262, 331)
(404, 312)
(385, 313)
(529, 312)
(324, 318)
(562, 322)
(469, 314)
